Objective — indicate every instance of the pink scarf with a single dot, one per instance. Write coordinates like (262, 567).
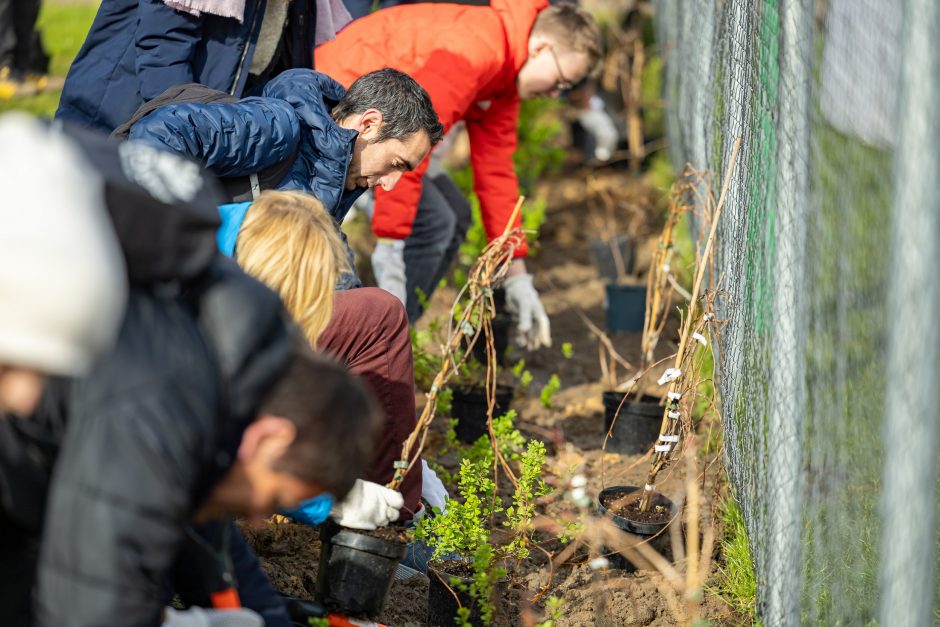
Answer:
(331, 14)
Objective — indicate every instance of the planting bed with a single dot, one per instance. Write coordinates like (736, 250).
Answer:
(573, 430)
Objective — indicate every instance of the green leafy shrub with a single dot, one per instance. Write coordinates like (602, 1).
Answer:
(462, 528)
(548, 392)
(530, 487)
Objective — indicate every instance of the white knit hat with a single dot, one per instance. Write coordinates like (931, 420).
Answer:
(63, 284)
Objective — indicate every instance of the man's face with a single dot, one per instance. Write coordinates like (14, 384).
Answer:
(20, 390)
(381, 163)
(550, 69)
(253, 488)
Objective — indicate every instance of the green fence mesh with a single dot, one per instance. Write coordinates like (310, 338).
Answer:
(829, 369)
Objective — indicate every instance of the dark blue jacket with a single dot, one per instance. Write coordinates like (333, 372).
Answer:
(138, 48)
(238, 139)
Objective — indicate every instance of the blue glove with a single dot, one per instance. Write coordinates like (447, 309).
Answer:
(313, 511)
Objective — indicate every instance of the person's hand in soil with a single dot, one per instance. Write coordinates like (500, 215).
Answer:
(532, 326)
(368, 506)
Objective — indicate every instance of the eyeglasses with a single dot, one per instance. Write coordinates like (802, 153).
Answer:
(563, 83)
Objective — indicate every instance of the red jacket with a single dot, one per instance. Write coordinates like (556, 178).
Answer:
(467, 58)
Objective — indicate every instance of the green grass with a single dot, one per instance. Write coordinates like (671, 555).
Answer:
(63, 30)
(735, 583)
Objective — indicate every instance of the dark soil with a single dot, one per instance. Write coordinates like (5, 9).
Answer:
(392, 533)
(290, 555)
(454, 568)
(628, 506)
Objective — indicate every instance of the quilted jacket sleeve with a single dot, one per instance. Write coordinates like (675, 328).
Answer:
(231, 139)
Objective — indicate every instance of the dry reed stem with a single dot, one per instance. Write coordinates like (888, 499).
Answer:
(488, 270)
(669, 426)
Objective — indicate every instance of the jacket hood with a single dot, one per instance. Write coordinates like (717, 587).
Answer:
(326, 147)
(517, 17)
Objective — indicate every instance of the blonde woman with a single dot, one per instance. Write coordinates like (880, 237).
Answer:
(287, 240)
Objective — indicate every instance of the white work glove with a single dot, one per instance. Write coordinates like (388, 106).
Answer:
(432, 488)
(596, 121)
(368, 506)
(199, 617)
(388, 265)
(522, 301)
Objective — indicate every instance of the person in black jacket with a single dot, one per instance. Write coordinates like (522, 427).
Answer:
(165, 430)
(62, 296)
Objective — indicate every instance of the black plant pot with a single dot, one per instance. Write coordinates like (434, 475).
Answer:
(637, 426)
(445, 597)
(654, 533)
(444, 601)
(501, 323)
(626, 307)
(356, 570)
(469, 408)
(603, 254)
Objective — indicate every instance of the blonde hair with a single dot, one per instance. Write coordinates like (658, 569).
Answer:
(291, 244)
(571, 27)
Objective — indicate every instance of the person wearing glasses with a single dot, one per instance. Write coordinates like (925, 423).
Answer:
(477, 63)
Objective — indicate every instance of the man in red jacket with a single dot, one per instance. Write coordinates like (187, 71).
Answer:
(476, 62)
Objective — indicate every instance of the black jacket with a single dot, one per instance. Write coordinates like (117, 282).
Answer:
(149, 432)
(138, 443)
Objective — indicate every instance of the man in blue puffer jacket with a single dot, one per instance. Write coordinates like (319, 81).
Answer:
(335, 143)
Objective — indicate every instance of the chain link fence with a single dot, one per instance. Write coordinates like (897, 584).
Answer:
(829, 266)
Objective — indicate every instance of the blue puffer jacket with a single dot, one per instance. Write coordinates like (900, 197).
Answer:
(138, 48)
(242, 138)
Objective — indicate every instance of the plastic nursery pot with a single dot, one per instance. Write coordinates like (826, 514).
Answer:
(637, 426)
(445, 597)
(602, 251)
(626, 307)
(651, 526)
(501, 323)
(356, 570)
(469, 408)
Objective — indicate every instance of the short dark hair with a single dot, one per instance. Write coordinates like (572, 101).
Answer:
(337, 421)
(405, 105)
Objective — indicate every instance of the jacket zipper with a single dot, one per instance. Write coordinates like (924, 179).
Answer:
(241, 61)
